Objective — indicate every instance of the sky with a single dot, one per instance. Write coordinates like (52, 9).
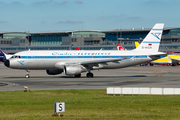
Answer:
(68, 15)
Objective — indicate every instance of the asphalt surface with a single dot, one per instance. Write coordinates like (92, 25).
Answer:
(136, 76)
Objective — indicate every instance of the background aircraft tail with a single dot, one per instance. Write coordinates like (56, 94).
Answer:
(119, 47)
(152, 40)
(2, 56)
(136, 44)
(77, 48)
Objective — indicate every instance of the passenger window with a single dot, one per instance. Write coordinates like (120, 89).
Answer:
(15, 56)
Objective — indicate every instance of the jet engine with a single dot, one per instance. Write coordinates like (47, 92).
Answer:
(73, 69)
(54, 72)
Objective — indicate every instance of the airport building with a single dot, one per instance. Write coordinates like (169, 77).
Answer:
(170, 41)
(11, 42)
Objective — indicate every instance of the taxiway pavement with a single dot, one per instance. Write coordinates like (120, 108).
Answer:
(137, 76)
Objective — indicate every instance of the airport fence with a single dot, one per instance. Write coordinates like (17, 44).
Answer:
(142, 91)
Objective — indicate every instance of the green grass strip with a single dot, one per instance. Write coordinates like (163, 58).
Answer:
(87, 104)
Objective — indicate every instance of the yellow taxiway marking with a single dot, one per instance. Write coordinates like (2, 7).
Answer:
(157, 73)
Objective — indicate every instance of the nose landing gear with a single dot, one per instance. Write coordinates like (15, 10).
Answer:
(27, 74)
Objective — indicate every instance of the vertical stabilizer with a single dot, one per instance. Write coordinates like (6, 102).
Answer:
(152, 40)
(2, 56)
(136, 44)
(119, 47)
(77, 48)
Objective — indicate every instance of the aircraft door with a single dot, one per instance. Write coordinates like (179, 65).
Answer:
(30, 60)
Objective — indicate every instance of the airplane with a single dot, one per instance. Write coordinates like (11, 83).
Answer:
(3, 56)
(75, 62)
(169, 59)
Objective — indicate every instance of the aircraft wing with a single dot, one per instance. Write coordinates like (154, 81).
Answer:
(91, 63)
(101, 61)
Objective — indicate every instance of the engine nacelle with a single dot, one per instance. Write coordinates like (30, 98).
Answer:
(54, 72)
(73, 69)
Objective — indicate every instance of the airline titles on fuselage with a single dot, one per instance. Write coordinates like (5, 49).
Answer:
(67, 53)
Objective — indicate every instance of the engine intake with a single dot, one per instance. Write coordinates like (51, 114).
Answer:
(54, 72)
(73, 69)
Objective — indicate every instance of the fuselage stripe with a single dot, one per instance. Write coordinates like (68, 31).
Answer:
(150, 42)
(57, 57)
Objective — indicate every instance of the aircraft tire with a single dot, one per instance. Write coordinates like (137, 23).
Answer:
(27, 76)
(89, 75)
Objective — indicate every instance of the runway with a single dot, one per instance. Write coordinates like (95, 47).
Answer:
(137, 76)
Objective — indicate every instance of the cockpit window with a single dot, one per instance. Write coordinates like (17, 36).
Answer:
(16, 56)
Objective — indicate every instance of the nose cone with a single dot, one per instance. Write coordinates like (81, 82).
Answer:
(7, 63)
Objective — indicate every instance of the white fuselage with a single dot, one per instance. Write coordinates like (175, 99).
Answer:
(43, 60)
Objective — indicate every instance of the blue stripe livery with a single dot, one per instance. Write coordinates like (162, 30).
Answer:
(75, 57)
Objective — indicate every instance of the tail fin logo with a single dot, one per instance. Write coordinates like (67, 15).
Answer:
(156, 35)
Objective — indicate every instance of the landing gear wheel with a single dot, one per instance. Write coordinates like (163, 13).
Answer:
(89, 75)
(77, 76)
(27, 76)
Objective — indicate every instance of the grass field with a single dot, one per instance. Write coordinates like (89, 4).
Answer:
(87, 104)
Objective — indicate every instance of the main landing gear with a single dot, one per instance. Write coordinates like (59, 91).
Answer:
(27, 74)
(89, 74)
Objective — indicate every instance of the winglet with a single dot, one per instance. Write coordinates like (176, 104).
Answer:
(152, 40)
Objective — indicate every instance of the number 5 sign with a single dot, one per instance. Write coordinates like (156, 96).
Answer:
(59, 107)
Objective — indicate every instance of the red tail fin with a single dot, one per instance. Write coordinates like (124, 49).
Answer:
(77, 48)
(119, 47)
